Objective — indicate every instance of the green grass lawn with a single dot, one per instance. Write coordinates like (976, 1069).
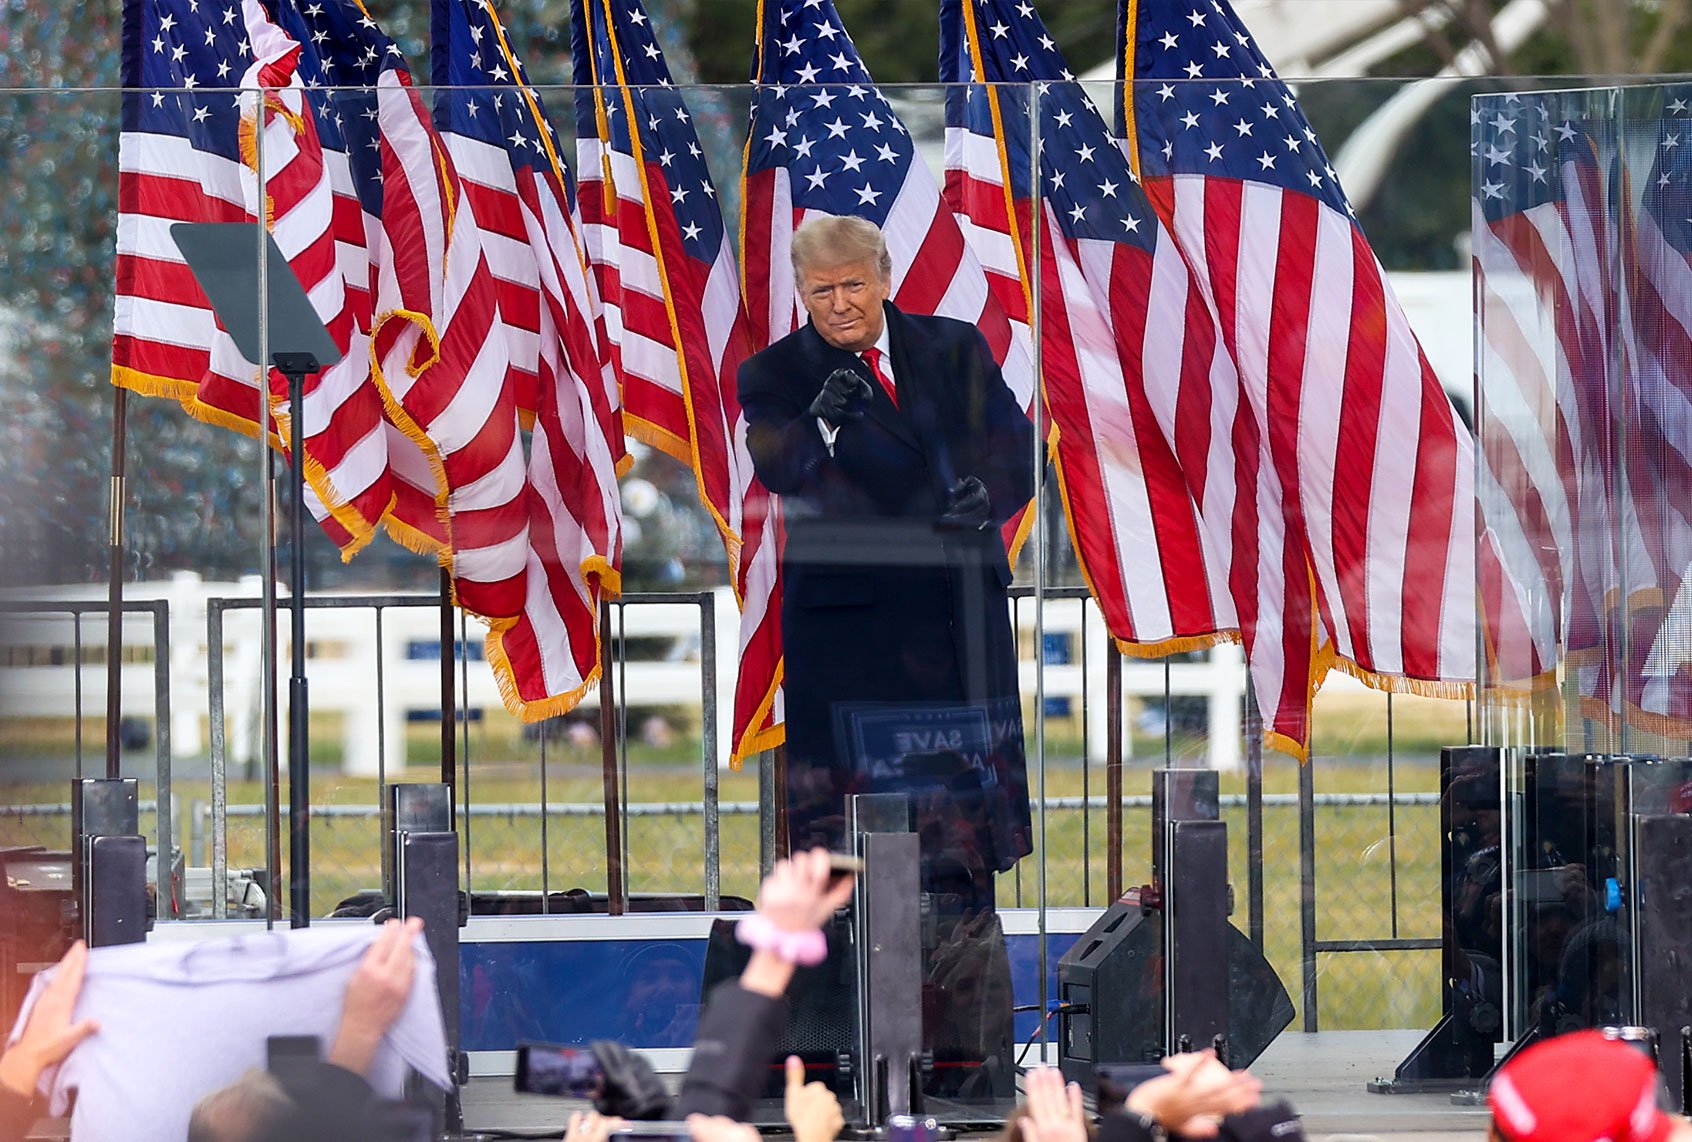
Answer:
(1358, 896)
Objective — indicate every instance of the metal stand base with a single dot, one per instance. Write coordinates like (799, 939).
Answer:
(109, 862)
(1448, 1058)
(887, 927)
(423, 851)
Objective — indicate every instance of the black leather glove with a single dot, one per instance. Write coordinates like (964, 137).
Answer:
(967, 506)
(842, 397)
(632, 1089)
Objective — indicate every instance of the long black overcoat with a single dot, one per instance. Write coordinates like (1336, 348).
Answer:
(900, 660)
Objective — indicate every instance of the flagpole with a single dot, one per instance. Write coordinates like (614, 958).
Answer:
(296, 366)
(114, 594)
(615, 897)
(449, 700)
(1038, 459)
(267, 600)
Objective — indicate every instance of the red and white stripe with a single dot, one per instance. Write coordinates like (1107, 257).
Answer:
(1657, 694)
(1373, 471)
(643, 343)
(678, 333)
(549, 584)
(290, 182)
(166, 341)
(1133, 376)
(451, 391)
(1532, 472)
(163, 325)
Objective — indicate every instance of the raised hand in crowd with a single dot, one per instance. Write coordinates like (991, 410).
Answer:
(1052, 1111)
(741, 1020)
(794, 903)
(49, 1035)
(590, 1126)
(376, 995)
(797, 895)
(717, 1128)
(1195, 1094)
(810, 1108)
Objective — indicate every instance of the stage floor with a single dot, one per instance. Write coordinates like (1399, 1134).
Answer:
(1322, 1075)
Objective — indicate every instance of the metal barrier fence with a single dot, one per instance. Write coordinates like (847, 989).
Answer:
(20, 611)
(1374, 852)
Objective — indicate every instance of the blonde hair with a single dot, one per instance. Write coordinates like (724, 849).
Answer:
(835, 239)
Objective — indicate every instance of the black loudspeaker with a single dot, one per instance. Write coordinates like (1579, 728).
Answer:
(1111, 987)
(1110, 990)
(822, 1007)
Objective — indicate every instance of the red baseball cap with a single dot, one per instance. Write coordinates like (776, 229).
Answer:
(1579, 1087)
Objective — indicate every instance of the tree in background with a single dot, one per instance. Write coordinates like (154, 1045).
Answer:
(1584, 37)
(194, 490)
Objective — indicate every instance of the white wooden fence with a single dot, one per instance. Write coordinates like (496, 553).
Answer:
(39, 664)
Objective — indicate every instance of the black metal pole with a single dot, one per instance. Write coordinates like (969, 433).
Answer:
(614, 895)
(1113, 771)
(270, 707)
(114, 592)
(449, 699)
(1307, 887)
(1254, 817)
(299, 768)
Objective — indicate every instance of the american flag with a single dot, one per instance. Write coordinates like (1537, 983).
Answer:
(1545, 312)
(394, 226)
(441, 375)
(823, 139)
(1372, 471)
(667, 274)
(544, 637)
(181, 159)
(1657, 416)
(1134, 372)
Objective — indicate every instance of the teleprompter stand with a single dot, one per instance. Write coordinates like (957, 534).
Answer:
(271, 320)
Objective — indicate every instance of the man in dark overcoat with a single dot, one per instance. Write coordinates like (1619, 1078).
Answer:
(899, 453)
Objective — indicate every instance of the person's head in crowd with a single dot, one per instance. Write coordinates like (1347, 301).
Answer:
(660, 984)
(843, 273)
(259, 1107)
(253, 1108)
(1580, 1087)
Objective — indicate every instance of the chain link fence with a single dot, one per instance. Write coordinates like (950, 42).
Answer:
(1377, 872)
(1344, 898)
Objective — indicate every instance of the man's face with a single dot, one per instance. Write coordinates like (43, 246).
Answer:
(844, 302)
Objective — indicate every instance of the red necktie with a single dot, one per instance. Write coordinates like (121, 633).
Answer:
(872, 358)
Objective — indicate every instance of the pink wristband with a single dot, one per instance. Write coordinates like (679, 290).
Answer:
(805, 948)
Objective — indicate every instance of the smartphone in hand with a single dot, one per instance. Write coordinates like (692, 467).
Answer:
(564, 1072)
